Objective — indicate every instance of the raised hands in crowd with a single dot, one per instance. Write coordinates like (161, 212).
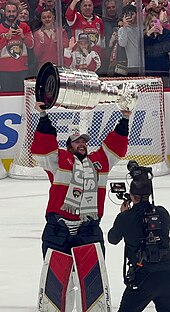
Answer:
(79, 54)
(104, 37)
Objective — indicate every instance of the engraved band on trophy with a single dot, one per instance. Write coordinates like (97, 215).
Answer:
(76, 89)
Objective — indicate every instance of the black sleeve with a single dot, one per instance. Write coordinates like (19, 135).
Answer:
(115, 234)
(122, 127)
(45, 126)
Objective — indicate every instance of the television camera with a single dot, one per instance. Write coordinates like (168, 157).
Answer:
(151, 219)
(137, 173)
(119, 188)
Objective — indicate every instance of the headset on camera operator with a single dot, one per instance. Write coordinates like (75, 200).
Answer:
(145, 230)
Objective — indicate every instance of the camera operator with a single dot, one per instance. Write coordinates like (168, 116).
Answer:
(145, 229)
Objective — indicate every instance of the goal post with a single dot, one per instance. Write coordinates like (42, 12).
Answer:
(147, 136)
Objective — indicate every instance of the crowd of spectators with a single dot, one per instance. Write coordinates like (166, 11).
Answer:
(97, 35)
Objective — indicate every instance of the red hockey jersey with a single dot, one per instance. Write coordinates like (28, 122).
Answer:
(13, 52)
(94, 28)
(58, 163)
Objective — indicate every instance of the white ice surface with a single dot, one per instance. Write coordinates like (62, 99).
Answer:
(22, 210)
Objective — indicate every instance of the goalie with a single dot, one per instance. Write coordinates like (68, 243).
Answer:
(78, 185)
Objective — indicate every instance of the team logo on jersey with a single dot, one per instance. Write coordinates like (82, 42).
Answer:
(15, 50)
(93, 35)
(77, 192)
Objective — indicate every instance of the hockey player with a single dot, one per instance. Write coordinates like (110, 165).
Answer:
(75, 176)
(146, 236)
(78, 183)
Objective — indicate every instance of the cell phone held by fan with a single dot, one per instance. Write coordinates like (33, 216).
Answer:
(157, 23)
(15, 25)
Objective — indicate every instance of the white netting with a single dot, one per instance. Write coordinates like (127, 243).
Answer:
(147, 141)
(3, 172)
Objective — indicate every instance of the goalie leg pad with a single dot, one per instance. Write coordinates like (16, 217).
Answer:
(54, 281)
(92, 277)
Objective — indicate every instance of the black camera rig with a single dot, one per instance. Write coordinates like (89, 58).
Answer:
(137, 173)
(119, 188)
(152, 225)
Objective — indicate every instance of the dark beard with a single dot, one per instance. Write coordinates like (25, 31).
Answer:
(11, 18)
(80, 156)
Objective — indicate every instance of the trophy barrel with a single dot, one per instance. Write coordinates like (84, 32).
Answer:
(73, 89)
(76, 89)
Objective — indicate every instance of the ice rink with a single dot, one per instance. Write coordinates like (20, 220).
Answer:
(22, 210)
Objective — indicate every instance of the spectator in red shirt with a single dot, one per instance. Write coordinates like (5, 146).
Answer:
(45, 48)
(15, 38)
(86, 22)
(24, 16)
(51, 4)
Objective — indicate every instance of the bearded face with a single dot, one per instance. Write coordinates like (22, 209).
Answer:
(11, 13)
(79, 148)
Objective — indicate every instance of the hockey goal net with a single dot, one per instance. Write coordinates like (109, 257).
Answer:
(147, 139)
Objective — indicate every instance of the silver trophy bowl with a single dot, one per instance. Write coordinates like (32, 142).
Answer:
(78, 90)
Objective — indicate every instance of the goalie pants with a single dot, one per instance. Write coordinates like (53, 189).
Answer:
(154, 287)
(56, 235)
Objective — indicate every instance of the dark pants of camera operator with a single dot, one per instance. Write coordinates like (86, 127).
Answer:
(57, 236)
(154, 287)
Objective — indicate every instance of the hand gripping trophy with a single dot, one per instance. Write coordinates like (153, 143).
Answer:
(80, 90)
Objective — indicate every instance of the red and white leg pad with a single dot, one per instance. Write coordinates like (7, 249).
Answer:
(81, 277)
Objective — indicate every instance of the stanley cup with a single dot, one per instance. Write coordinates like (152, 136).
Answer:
(76, 89)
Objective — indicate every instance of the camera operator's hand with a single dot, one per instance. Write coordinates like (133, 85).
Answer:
(125, 206)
